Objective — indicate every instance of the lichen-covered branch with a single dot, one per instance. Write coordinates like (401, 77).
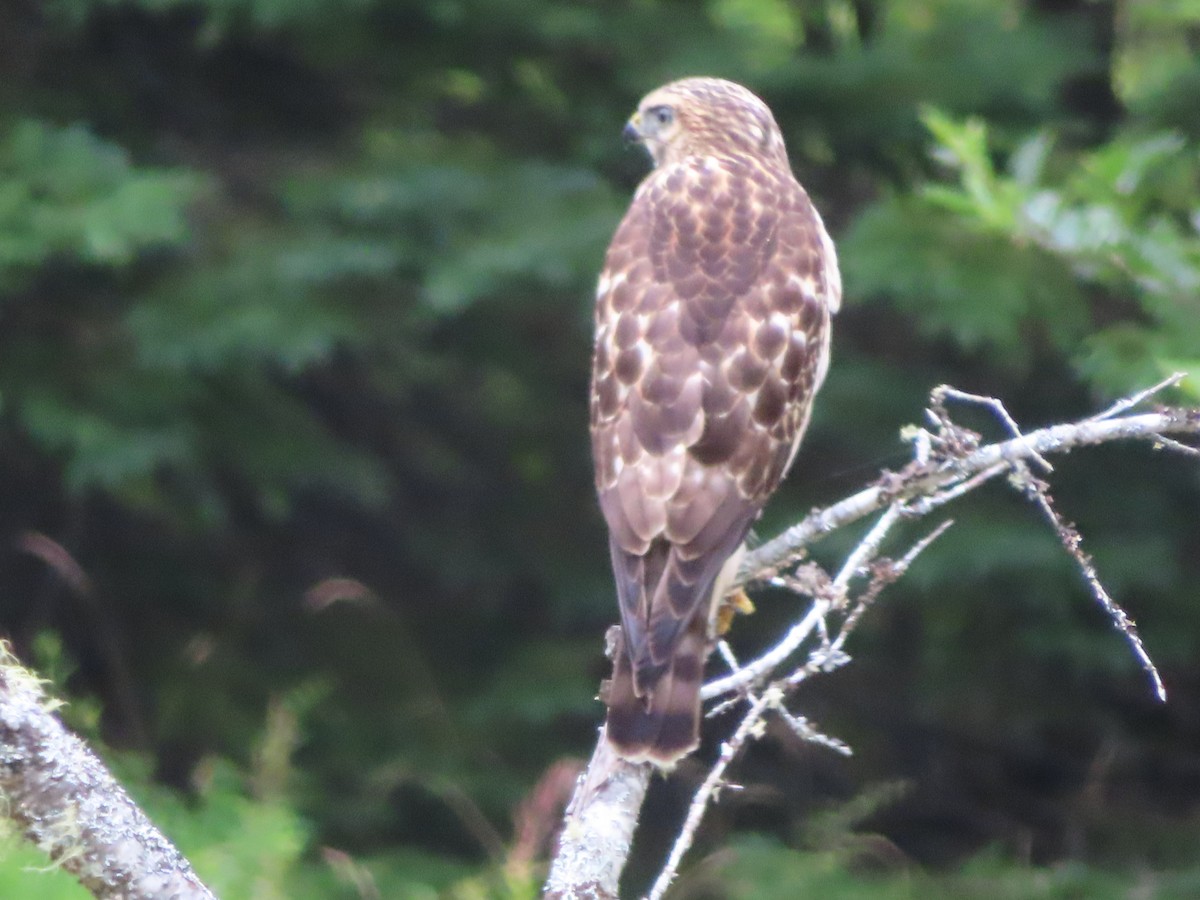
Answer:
(65, 801)
(949, 462)
(598, 827)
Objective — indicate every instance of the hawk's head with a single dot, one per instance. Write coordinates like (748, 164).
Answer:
(705, 117)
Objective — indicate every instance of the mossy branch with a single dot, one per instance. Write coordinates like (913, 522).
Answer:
(67, 803)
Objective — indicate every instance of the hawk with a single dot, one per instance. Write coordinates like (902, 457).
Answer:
(712, 337)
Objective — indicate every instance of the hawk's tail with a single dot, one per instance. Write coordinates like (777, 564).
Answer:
(659, 722)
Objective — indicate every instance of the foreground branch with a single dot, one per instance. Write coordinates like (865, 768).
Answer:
(66, 802)
(950, 461)
(598, 827)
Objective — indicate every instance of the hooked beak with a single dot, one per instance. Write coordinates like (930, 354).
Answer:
(632, 133)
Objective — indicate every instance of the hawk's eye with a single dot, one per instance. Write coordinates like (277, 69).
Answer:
(662, 115)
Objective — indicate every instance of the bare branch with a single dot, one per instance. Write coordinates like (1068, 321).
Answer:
(751, 722)
(772, 698)
(1039, 492)
(806, 731)
(924, 479)
(1127, 403)
(945, 392)
(920, 506)
(69, 805)
(773, 658)
(815, 617)
(1166, 443)
(598, 827)
(887, 572)
(949, 462)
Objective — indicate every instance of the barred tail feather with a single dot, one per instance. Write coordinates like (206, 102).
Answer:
(659, 722)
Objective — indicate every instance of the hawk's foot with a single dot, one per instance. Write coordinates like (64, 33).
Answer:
(731, 605)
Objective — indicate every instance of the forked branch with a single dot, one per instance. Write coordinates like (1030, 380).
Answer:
(949, 462)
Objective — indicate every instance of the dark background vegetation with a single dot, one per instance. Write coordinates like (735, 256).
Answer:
(295, 499)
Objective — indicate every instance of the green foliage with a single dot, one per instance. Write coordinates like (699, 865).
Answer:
(761, 869)
(24, 872)
(1042, 246)
(221, 17)
(1114, 218)
(69, 196)
(245, 840)
(837, 855)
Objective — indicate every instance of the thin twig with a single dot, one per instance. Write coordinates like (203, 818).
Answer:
(894, 570)
(921, 506)
(827, 656)
(711, 785)
(865, 551)
(809, 733)
(1038, 491)
(945, 392)
(814, 618)
(832, 596)
(1166, 443)
(1126, 403)
(796, 635)
(919, 547)
(734, 666)
(824, 658)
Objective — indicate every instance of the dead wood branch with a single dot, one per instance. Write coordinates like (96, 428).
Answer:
(949, 462)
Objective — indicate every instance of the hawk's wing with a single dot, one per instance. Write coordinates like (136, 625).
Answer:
(712, 338)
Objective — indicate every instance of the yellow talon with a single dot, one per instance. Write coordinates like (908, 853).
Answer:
(737, 602)
(740, 601)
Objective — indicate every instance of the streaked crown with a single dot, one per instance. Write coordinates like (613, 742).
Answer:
(705, 116)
